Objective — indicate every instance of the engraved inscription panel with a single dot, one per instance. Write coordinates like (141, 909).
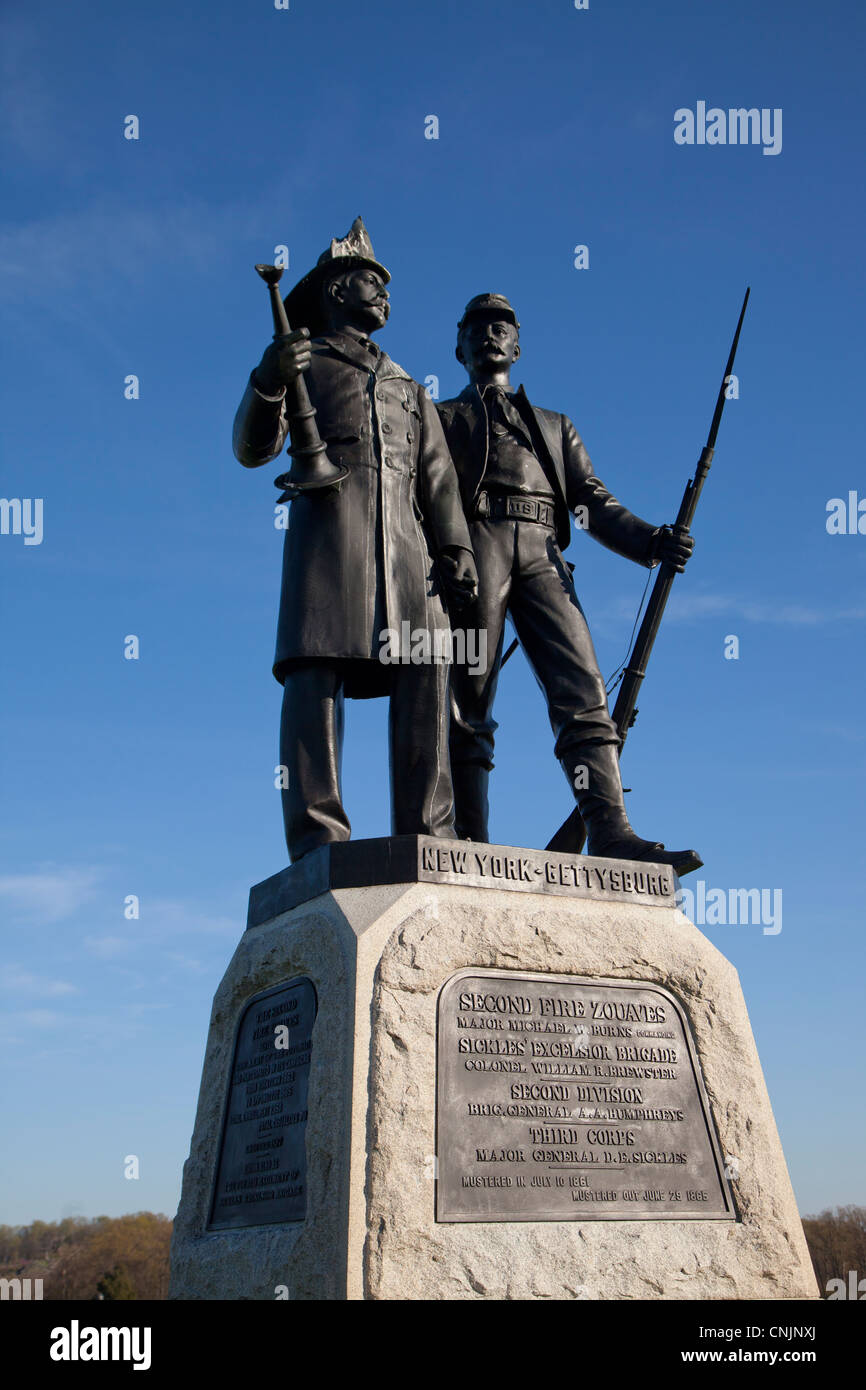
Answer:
(262, 1170)
(539, 871)
(565, 1099)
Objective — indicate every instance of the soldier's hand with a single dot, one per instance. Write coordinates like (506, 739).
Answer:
(283, 361)
(674, 547)
(460, 575)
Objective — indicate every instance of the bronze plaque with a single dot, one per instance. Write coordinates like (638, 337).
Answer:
(262, 1169)
(565, 1099)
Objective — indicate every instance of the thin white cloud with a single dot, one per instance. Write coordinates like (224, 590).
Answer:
(692, 607)
(41, 1018)
(176, 918)
(46, 896)
(164, 921)
(187, 963)
(689, 607)
(53, 893)
(107, 243)
(107, 947)
(17, 981)
(107, 240)
(32, 121)
(140, 1010)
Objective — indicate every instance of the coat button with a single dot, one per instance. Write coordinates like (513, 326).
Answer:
(386, 428)
(380, 395)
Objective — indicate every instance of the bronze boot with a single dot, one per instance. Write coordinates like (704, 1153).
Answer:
(600, 802)
(471, 807)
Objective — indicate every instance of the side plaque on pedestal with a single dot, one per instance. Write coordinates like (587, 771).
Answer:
(261, 1174)
(568, 1099)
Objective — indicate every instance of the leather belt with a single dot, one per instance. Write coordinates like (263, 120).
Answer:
(514, 507)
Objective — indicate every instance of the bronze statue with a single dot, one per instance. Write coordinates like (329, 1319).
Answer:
(365, 555)
(523, 471)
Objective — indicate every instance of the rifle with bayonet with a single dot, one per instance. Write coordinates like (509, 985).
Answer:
(571, 835)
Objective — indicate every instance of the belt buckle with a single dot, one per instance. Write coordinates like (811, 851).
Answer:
(523, 506)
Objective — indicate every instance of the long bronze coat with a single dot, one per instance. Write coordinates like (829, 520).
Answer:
(362, 559)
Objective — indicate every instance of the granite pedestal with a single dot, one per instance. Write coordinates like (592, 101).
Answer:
(438, 1070)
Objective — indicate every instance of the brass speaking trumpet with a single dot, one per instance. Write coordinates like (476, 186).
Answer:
(311, 468)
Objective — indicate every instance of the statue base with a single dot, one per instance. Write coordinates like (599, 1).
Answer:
(440, 1070)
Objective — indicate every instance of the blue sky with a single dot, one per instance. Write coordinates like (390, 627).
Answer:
(154, 777)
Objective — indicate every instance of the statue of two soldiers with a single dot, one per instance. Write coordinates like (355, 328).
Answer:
(463, 510)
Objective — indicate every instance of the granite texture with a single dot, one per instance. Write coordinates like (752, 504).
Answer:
(378, 958)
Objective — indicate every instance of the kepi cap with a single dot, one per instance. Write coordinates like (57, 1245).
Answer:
(490, 305)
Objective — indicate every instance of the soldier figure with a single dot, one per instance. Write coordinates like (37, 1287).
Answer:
(361, 560)
(522, 472)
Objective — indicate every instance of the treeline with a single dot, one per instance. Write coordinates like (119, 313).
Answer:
(107, 1257)
(126, 1257)
(837, 1244)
